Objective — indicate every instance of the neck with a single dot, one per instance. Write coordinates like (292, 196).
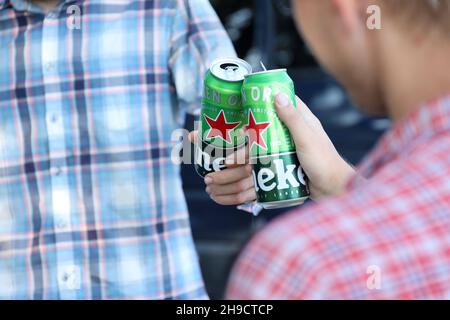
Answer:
(46, 5)
(414, 70)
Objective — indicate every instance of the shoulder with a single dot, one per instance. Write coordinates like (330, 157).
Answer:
(399, 192)
(291, 257)
(327, 250)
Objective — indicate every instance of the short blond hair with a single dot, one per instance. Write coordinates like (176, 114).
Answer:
(433, 13)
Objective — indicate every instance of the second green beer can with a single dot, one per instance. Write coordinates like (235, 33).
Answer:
(279, 179)
(221, 114)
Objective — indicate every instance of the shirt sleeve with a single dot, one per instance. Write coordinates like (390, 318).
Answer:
(283, 261)
(198, 38)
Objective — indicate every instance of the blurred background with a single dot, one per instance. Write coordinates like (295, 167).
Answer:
(263, 30)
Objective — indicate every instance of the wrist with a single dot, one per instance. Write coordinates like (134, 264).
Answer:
(342, 172)
(343, 175)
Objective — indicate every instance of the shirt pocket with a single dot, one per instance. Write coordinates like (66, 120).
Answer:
(11, 146)
(118, 122)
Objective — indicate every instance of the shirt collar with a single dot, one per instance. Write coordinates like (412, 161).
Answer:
(417, 128)
(3, 3)
(21, 5)
(24, 5)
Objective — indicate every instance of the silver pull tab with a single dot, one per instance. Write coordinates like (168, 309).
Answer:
(229, 71)
(263, 66)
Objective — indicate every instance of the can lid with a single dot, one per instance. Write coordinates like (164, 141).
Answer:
(230, 69)
(266, 71)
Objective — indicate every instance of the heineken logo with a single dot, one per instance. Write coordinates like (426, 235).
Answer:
(210, 164)
(220, 128)
(261, 94)
(283, 172)
(216, 97)
(207, 163)
(255, 131)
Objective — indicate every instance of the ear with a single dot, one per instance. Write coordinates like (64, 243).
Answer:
(350, 13)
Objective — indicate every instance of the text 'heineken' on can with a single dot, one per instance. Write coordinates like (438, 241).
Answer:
(279, 179)
(221, 115)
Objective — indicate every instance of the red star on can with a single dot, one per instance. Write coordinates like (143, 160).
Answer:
(220, 128)
(255, 130)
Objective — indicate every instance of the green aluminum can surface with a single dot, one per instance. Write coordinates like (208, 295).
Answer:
(279, 179)
(221, 115)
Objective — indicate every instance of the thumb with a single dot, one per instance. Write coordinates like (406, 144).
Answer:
(290, 115)
(193, 136)
(295, 118)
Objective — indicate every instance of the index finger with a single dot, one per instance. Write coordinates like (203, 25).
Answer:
(229, 175)
(193, 136)
(238, 158)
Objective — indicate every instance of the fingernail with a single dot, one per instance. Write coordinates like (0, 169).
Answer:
(229, 161)
(207, 190)
(282, 100)
(208, 180)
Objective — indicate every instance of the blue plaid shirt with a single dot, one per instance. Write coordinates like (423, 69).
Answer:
(91, 205)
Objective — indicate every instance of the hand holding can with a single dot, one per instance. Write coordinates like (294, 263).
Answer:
(278, 177)
(327, 171)
(304, 138)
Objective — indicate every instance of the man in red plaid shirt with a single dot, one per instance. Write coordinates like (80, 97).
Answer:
(382, 232)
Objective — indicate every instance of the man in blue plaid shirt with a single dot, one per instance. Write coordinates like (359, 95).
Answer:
(91, 206)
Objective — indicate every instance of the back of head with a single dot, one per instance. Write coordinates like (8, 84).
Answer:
(422, 14)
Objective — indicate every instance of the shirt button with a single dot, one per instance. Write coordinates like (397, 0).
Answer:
(49, 66)
(70, 277)
(55, 171)
(51, 15)
(61, 223)
(53, 118)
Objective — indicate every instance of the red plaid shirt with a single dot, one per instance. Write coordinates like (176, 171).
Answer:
(387, 237)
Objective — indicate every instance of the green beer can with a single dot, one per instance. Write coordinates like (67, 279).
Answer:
(279, 179)
(221, 115)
